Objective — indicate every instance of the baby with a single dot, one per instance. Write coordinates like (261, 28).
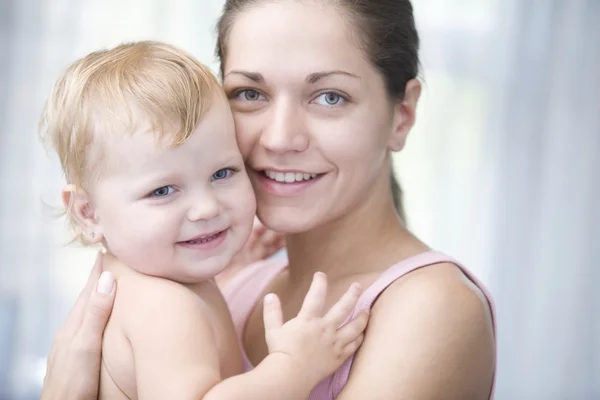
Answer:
(146, 140)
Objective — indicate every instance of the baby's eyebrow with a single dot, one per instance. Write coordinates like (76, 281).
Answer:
(145, 180)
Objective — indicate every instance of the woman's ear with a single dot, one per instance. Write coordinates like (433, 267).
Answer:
(80, 209)
(405, 115)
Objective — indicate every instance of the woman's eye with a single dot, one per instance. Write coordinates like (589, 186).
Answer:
(222, 174)
(330, 99)
(162, 191)
(248, 95)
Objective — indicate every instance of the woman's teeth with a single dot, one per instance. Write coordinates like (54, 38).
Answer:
(289, 177)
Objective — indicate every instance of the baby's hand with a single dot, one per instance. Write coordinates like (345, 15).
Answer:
(315, 343)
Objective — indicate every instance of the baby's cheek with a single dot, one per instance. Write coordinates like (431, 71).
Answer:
(138, 245)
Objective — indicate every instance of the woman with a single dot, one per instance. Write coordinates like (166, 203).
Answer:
(322, 93)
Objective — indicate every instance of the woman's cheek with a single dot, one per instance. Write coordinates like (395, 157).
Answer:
(247, 133)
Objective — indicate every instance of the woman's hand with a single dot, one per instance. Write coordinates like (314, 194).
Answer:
(261, 244)
(73, 367)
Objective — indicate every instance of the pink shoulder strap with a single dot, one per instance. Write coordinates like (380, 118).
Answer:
(241, 294)
(386, 279)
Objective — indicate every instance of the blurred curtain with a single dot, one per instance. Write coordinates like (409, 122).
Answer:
(501, 170)
(544, 149)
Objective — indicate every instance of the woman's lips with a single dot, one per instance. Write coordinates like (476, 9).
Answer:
(286, 184)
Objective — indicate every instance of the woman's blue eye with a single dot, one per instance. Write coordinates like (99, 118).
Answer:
(222, 174)
(330, 99)
(162, 191)
(248, 95)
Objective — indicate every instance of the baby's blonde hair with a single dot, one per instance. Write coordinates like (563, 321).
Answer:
(119, 90)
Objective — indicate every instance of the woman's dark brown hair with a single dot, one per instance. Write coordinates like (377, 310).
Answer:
(386, 32)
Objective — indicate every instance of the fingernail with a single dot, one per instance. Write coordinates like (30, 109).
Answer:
(106, 283)
(269, 298)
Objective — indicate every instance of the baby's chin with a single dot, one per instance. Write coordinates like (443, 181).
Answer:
(189, 264)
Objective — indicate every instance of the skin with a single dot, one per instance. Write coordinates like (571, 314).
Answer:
(430, 334)
(289, 117)
(157, 197)
(144, 211)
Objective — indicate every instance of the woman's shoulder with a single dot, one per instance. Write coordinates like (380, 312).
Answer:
(440, 289)
(430, 324)
(429, 280)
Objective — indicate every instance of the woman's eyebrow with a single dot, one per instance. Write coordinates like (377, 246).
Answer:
(253, 76)
(311, 79)
(315, 77)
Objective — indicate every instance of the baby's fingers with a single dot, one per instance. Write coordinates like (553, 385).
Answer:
(315, 298)
(351, 347)
(272, 314)
(353, 330)
(340, 311)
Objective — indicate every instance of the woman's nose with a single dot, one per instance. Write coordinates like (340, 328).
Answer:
(285, 130)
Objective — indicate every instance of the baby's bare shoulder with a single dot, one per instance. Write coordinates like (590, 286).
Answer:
(149, 287)
(147, 300)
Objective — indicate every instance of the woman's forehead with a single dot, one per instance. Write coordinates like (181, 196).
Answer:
(301, 36)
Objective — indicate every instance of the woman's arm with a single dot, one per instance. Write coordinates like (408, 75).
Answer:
(430, 336)
(73, 367)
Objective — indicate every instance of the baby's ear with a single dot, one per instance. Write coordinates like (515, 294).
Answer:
(79, 207)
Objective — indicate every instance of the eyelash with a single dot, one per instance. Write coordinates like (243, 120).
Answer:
(232, 171)
(341, 97)
(153, 195)
(236, 94)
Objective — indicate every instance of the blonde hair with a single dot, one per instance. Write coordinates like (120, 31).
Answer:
(112, 90)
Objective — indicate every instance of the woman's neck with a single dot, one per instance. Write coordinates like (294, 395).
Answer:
(369, 239)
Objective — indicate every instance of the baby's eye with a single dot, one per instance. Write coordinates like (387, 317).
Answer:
(222, 174)
(162, 191)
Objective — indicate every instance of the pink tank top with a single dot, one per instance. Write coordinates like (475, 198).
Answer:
(245, 290)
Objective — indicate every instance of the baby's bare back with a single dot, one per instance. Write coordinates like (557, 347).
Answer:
(118, 369)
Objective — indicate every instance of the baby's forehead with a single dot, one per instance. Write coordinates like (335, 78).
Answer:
(134, 142)
(133, 148)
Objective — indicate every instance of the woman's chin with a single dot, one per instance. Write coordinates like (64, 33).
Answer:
(287, 221)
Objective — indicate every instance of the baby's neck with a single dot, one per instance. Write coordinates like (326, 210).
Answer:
(111, 263)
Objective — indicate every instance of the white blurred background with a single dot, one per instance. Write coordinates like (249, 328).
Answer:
(502, 170)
